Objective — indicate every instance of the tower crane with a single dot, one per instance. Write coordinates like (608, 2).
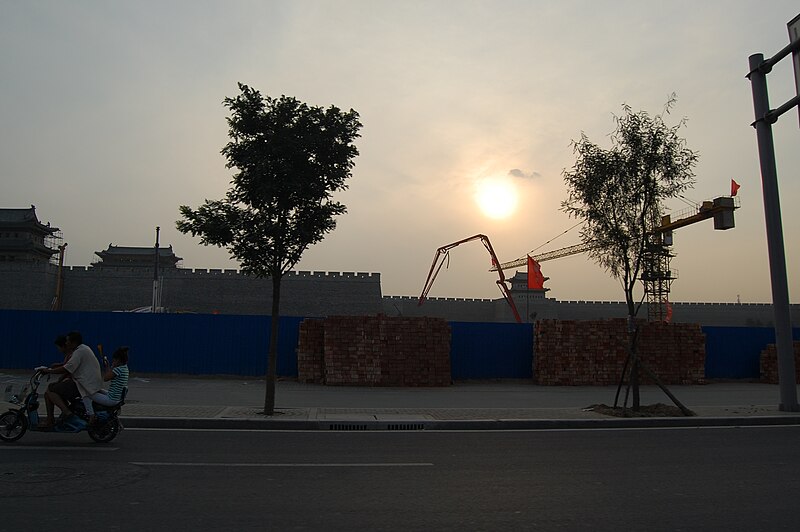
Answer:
(656, 274)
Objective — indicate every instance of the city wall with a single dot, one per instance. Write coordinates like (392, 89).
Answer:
(317, 294)
(533, 309)
(308, 294)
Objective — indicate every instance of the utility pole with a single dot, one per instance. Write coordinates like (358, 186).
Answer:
(156, 290)
(58, 300)
(764, 118)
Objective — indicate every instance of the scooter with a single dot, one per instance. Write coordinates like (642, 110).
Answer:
(16, 421)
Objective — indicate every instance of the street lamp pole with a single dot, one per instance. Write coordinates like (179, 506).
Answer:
(764, 118)
(156, 287)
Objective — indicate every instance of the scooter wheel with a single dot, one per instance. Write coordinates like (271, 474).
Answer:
(104, 432)
(12, 426)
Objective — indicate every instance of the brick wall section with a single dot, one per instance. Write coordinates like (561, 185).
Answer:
(311, 352)
(375, 351)
(769, 364)
(586, 353)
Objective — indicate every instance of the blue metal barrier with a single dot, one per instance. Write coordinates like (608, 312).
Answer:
(206, 344)
(195, 344)
(491, 350)
(735, 352)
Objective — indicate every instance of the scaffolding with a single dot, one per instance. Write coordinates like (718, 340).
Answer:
(53, 242)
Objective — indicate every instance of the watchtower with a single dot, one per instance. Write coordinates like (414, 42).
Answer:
(23, 238)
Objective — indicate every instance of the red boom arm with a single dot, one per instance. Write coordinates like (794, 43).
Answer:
(443, 253)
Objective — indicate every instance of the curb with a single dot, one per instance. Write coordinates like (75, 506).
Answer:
(439, 425)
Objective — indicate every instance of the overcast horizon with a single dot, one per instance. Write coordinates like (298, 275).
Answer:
(112, 118)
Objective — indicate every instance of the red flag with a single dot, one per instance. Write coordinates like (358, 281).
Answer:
(668, 316)
(535, 277)
(734, 187)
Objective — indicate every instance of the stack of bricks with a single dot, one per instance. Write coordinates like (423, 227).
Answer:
(676, 352)
(769, 364)
(375, 351)
(311, 352)
(593, 353)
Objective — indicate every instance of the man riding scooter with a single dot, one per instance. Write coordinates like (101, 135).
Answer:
(87, 379)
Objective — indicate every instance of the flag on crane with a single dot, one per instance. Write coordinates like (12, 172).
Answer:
(535, 277)
(734, 187)
(668, 313)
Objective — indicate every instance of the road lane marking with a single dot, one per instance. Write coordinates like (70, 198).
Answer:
(298, 464)
(468, 431)
(60, 448)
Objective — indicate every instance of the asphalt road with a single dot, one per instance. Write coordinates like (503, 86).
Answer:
(657, 479)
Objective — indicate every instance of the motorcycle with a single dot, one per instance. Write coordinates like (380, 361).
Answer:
(16, 421)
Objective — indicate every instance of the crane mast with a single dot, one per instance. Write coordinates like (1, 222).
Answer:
(656, 274)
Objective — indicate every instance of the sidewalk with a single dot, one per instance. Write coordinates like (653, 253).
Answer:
(237, 403)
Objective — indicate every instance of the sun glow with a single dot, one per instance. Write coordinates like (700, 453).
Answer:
(496, 197)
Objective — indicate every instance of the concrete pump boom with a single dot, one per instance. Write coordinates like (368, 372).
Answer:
(443, 253)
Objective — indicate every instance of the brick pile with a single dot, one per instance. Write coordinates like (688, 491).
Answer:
(769, 363)
(311, 352)
(375, 351)
(593, 353)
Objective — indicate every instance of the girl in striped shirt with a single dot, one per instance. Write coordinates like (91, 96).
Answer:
(117, 373)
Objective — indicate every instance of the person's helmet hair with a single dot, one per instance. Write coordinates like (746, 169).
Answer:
(121, 354)
(75, 337)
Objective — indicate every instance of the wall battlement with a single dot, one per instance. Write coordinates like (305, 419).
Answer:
(317, 275)
(32, 286)
(415, 299)
(222, 291)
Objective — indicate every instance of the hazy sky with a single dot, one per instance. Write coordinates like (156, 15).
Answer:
(111, 117)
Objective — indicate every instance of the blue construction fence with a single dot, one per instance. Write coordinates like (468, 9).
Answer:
(211, 344)
(194, 344)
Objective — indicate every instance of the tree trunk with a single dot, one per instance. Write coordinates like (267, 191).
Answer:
(272, 357)
(635, 404)
(633, 333)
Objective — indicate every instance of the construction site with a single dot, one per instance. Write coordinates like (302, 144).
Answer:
(656, 274)
(122, 280)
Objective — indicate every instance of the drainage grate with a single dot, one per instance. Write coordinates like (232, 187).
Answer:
(376, 426)
(405, 426)
(347, 426)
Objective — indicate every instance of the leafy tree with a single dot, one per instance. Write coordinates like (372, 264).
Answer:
(289, 159)
(618, 194)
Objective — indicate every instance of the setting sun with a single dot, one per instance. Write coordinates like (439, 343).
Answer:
(496, 197)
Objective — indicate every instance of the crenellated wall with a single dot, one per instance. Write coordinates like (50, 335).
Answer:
(303, 293)
(26, 286)
(533, 309)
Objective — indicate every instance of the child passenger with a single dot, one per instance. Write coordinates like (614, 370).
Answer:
(117, 373)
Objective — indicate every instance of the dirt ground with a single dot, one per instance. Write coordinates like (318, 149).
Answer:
(654, 410)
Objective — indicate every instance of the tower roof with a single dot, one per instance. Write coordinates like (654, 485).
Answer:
(25, 217)
(136, 256)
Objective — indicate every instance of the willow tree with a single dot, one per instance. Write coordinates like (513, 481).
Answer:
(289, 159)
(618, 194)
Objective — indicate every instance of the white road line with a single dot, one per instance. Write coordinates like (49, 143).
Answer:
(458, 431)
(59, 448)
(300, 464)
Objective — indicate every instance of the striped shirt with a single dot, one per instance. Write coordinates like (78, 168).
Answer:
(118, 383)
